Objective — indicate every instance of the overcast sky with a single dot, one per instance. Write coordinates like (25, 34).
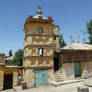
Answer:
(70, 15)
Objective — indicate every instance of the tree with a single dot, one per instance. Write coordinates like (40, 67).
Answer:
(71, 39)
(89, 27)
(78, 38)
(62, 42)
(10, 52)
(18, 57)
(84, 35)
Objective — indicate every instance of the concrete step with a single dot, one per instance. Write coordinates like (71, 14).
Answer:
(59, 80)
(57, 74)
(58, 77)
(66, 82)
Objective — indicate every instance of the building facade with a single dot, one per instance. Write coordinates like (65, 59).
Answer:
(41, 40)
(76, 61)
(8, 74)
(44, 60)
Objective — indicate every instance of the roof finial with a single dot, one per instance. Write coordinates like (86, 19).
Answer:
(39, 7)
(39, 12)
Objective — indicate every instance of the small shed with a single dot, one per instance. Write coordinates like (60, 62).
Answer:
(76, 60)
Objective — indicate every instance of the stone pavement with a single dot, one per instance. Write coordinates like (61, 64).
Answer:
(70, 87)
(66, 82)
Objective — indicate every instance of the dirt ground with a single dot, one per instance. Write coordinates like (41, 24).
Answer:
(72, 87)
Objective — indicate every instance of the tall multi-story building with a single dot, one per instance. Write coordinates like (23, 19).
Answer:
(41, 40)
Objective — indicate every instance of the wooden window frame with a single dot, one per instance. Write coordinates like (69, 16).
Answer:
(40, 54)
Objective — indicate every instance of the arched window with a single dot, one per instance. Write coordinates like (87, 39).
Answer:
(40, 30)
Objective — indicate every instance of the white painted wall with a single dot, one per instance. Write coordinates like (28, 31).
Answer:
(68, 71)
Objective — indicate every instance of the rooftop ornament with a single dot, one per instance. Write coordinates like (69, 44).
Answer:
(49, 17)
(30, 16)
(39, 12)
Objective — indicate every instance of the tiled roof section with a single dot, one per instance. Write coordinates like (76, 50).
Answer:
(10, 58)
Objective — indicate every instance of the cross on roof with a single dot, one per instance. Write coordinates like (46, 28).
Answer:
(39, 7)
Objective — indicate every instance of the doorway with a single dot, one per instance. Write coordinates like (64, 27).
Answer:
(77, 69)
(56, 64)
(8, 81)
(41, 77)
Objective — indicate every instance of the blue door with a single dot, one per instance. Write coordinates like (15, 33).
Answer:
(77, 69)
(41, 77)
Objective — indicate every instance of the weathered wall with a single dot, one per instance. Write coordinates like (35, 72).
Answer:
(33, 51)
(50, 75)
(56, 36)
(2, 58)
(29, 77)
(15, 78)
(37, 62)
(89, 68)
(89, 65)
(56, 42)
(33, 27)
(55, 30)
(1, 79)
(34, 40)
(68, 71)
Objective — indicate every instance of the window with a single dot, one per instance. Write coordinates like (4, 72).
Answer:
(40, 30)
(40, 51)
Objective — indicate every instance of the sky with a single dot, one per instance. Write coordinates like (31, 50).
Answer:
(71, 16)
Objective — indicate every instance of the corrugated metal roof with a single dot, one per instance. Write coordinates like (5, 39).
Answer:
(77, 46)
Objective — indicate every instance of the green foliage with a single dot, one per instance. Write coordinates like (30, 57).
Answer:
(10, 52)
(62, 42)
(18, 58)
(89, 27)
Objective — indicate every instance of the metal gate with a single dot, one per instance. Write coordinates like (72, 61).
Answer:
(41, 77)
(77, 69)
